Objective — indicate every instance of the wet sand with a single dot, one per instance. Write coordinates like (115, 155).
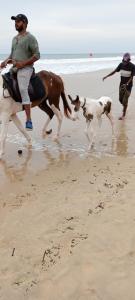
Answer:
(66, 214)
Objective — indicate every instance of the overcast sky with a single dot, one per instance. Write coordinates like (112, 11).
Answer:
(73, 26)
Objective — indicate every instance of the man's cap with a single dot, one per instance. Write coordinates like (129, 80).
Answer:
(126, 57)
(20, 17)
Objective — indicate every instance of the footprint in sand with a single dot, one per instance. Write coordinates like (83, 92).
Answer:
(99, 207)
(75, 241)
(66, 228)
(50, 257)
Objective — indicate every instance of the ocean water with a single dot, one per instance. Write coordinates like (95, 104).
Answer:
(76, 63)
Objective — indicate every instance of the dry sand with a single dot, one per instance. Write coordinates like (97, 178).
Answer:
(67, 220)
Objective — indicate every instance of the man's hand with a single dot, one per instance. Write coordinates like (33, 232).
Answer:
(19, 64)
(6, 62)
(9, 61)
(124, 85)
(3, 65)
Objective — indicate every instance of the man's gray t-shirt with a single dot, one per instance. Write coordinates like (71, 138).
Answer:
(24, 47)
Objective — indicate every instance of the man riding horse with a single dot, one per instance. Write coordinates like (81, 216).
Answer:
(24, 53)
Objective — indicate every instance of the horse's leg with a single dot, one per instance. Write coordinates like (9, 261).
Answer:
(46, 125)
(19, 125)
(59, 116)
(46, 108)
(4, 129)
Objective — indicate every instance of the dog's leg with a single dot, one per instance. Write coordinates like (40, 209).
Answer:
(59, 116)
(91, 137)
(86, 130)
(19, 125)
(4, 129)
(99, 121)
(111, 121)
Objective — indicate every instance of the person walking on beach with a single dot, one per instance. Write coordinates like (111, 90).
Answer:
(24, 52)
(127, 71)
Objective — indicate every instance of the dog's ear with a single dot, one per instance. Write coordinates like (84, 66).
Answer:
(72, 101)
(77, 98)
(70, 98)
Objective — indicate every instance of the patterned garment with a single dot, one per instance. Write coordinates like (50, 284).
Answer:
(126, 71)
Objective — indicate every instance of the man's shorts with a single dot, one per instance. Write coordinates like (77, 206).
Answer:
(124, 95)
(23, 77)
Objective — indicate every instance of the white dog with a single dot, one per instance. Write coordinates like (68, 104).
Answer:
(92, 109)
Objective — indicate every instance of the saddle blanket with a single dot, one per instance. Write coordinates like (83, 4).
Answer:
(36, 88)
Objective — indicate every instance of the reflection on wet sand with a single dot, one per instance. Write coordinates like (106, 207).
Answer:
(14, 173)
(17, 172)
(60, 156)
(121, 140)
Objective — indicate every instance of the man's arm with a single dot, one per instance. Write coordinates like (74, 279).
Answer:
(132, 75)
(130, 79)
(113, 72)
(110, 74)
(22, 64)
(6, 61)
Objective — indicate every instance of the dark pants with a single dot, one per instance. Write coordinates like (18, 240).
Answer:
(123, 97)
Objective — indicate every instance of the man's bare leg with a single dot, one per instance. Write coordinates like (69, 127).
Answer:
(27, 108)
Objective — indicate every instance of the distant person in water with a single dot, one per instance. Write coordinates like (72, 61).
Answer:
(127, 71)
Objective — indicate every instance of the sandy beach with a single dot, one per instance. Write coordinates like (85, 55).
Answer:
(67, 215)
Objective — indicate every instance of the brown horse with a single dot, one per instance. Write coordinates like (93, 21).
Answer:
(54, 88)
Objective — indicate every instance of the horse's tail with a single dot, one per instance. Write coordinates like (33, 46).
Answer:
(67, 109)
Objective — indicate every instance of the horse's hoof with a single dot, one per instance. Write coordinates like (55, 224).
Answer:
(56, 138)
(72, 118)
(48, 131)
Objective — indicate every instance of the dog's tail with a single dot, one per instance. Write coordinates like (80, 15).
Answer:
(67, 109)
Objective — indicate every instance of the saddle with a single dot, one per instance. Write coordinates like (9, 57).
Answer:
(36, 88)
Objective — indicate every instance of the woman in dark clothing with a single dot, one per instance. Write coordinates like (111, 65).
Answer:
(127, 71)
